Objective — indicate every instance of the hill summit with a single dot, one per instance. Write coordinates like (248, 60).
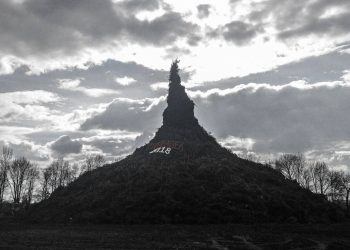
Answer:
(182, 176)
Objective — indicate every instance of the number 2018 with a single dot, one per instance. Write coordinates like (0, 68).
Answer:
(163, 150)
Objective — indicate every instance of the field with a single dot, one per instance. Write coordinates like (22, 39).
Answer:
(274, 237)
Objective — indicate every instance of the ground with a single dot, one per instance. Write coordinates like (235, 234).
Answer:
(267, 236)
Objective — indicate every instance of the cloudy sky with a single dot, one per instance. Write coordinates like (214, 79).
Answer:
(80, 77)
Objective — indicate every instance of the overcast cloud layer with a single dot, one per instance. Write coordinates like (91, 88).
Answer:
(83, 77)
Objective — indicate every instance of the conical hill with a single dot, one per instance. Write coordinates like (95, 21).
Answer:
(182, 176)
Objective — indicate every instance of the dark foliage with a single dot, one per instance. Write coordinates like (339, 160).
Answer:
(201, 183)
(179, 112)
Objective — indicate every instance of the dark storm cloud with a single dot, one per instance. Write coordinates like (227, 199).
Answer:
(237, 32)
(193, 39)
(288, 119)
(334, 25)
(176, 52)
(65, 145)
(162, 30)
(97, 76)
(139, 5)
(130, 115)
(203, 10)
(304, 17)
(39, 27)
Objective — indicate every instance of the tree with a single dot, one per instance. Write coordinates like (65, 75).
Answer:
(313, 177)
(53, 173)
(291, 166)
(306, 179)
(322, 175)
(46, 176)
(73, 173)
(336, 187)
(346, 186)
(18, 172)
(32, 177)
(63, 172)
(93, 162)
(58, 174)
(5, 162)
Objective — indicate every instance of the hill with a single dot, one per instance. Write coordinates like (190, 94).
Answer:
(183, 176)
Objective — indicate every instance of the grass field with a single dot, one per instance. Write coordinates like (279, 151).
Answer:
(274, 237)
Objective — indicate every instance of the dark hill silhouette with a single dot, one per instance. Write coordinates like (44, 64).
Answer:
(182, 176)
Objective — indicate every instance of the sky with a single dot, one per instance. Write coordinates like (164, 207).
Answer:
(85, 77)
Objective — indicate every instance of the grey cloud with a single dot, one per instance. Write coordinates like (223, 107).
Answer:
(38, 26)
(137, 5)
(176, 52)
(27, 149)
(111, 147)
(65, 145)
(162, 30)
(114, 146)
(330, 26)
(203, 10)
(142, 139)
(289, 120)
(40, 29)
(193, 39)
(101, 76)
(301, 18)
(130, 115)
(237, 32)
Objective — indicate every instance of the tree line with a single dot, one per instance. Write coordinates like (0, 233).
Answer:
(25, 182)
(316, 176)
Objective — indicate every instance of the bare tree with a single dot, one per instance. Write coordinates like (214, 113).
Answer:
(58, 174)
(321, 173)
(32, 177)
(291, 166)
(63, 172)
(45, 183)
(18, 172)
(336, 187)
(73, 173)
(346, 186)
(5, 162)
(93, 162)
(313, 177)
(53, 181)
(99, 161)
(88, 165)
(305, 181)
